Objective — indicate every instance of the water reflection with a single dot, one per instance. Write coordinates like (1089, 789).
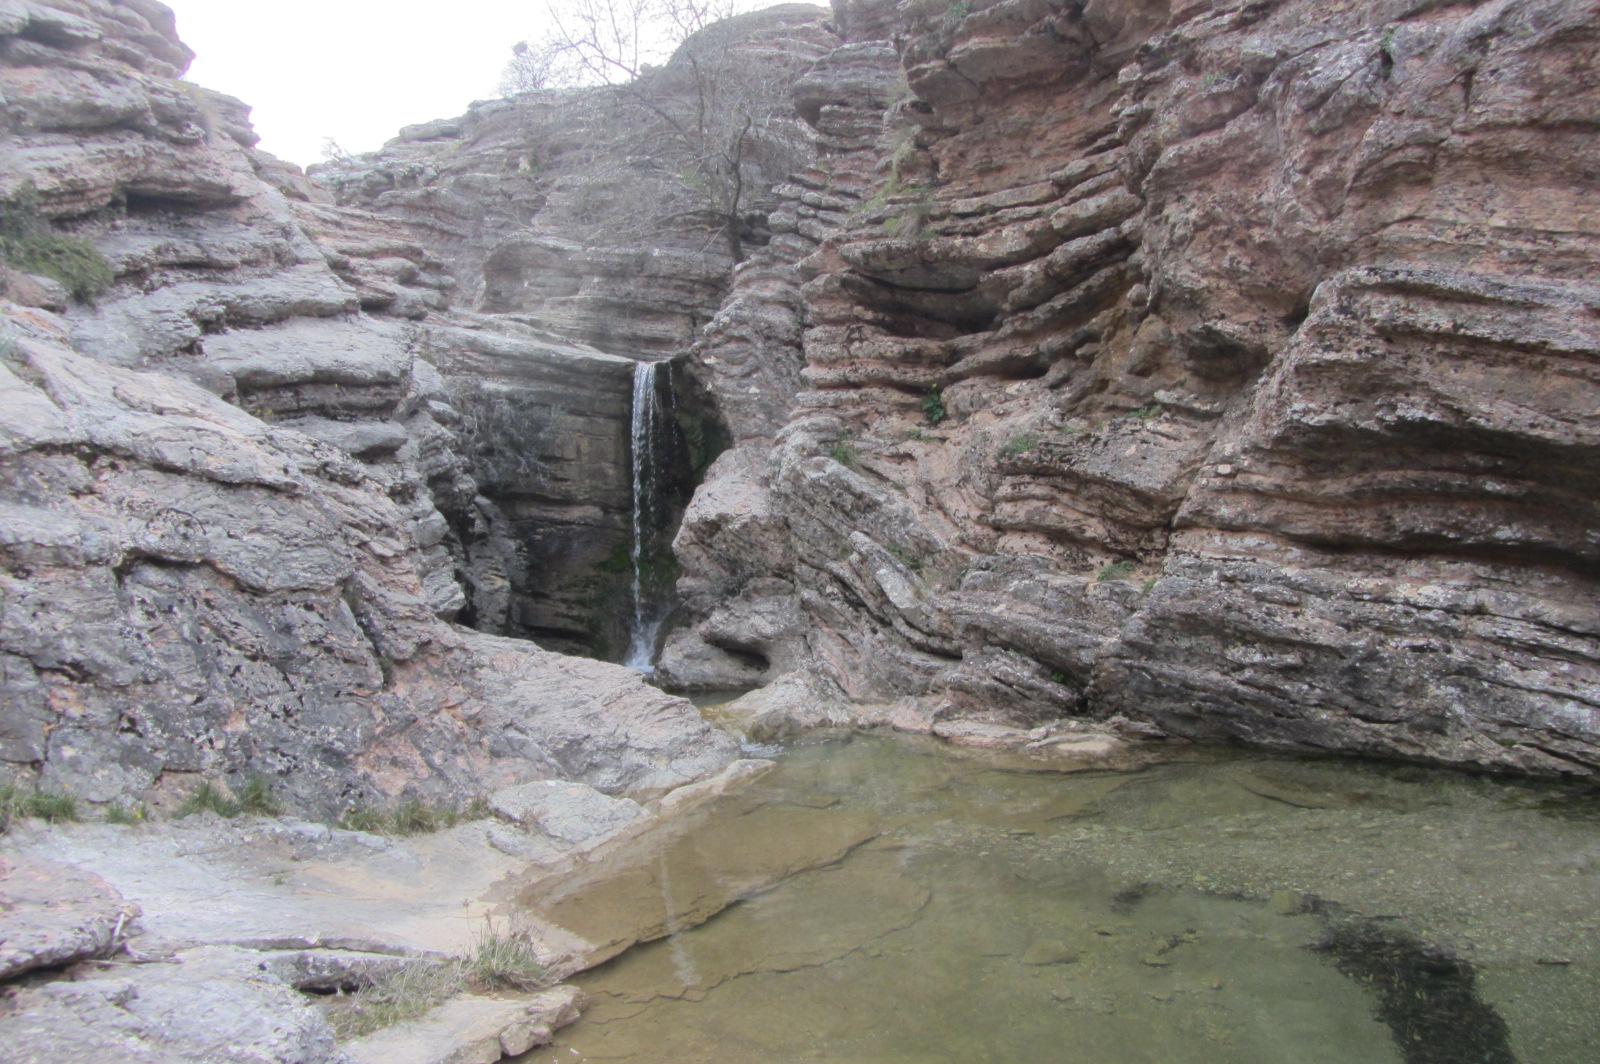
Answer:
(1237, 910)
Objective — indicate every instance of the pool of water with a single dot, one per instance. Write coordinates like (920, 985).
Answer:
(887, 899)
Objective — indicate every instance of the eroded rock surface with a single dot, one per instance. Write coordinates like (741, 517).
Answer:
(1224, 366)
(242, 489)
(56, 914)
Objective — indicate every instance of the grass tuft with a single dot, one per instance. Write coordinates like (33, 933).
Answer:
(412, 816)
(19, 804)
(503, 960)
(1116, 571)
(257, 798)
(498, 960)
(127, 814)
(405, 994)
(209, 798)
(1020, 444)
(845, 455)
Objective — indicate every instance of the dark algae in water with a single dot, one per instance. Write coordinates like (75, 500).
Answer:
(1222, 910)
(1425, 996)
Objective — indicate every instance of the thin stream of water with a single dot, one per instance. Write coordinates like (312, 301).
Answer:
(647, 616)
(1229, 910)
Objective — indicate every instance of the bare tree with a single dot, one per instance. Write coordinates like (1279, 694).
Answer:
(611, 42)
(532, 67)
(717, 113)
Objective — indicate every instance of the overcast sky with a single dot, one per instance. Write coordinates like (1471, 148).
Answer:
(353, 70)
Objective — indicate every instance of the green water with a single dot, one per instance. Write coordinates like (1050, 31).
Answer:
(1231, 910)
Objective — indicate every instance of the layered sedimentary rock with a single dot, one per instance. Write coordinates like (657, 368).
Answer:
(572, 220)
(1226, 365)
(239, 507)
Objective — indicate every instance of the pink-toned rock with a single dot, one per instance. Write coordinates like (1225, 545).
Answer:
(52, 914)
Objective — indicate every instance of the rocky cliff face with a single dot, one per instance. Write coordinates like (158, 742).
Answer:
(1227, 366)
(237, 498)
(567, 220)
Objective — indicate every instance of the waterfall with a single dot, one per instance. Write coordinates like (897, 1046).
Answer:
(648, 611)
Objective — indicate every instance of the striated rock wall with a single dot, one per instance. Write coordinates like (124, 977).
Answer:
(237, 506)
(566, 220)
(1224, 365)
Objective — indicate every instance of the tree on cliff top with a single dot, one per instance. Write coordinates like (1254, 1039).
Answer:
(717, 113)
(606, 42)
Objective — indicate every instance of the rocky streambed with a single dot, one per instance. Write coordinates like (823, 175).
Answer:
(858, 896)
(1219, 908)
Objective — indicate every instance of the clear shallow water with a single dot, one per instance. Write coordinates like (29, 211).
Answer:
(1241, 910)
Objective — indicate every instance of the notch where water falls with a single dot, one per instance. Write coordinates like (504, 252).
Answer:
(652, 577)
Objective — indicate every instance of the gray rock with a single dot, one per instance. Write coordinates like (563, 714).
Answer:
(52, 914)
(472, 1030)
(206, 1005)
(568, 812)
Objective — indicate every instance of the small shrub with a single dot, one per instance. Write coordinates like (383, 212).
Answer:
(933, 407)
(1145, 413)
(127, 814)
(920, 437)
(412, 816)
(18, 804)
(257, 798)
(503, 960)
(957, 11)
(1020, 444)
(1116, 571)
(911, 222)
(404, 994)
(906, 558)
(1058, 677)
(845, 455)
(209, 798)
(30, 243)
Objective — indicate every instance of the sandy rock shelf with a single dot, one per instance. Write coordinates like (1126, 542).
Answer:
(198, 939)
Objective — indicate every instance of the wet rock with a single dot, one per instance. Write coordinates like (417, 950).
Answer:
(639, 890)
(1290, 902)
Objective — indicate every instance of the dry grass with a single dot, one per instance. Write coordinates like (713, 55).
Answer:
(411, 816)
(500, 959)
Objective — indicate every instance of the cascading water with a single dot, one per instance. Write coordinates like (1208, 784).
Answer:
(649, 612)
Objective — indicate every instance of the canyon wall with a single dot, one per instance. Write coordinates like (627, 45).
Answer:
(1229, 367)
(1225, 369)
(238, 498)
(569, 219)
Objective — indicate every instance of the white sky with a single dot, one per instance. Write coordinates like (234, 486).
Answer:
(353, 70)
